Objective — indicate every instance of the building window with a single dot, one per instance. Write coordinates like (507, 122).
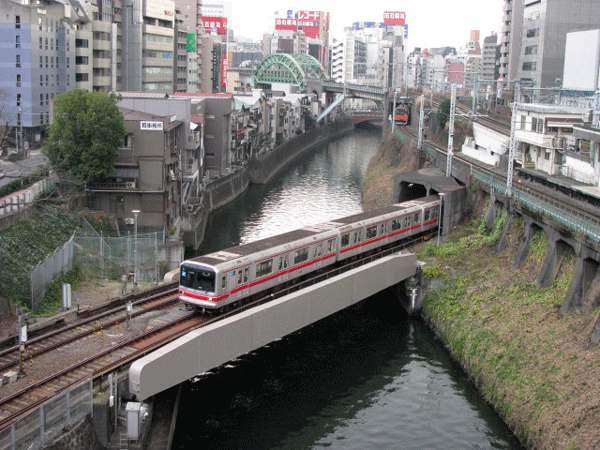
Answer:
(46, 43)
(18, 99)
(41, 44)
(18, 61)
(46, 62)
(81, 77)
(18, 80)
(41, 80)
(531, 50)
(41, 62)
(17, 21)
(81, 43)
(81, 60)
(46, 80)
(17, 41)
(533, 32)
(529, 66)
(41, 99)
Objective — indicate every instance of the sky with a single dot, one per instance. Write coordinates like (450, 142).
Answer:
(431, 23)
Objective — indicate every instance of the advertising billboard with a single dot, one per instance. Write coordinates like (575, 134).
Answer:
(216, 24)
(394, 18)
(191, 42)
(286, 24)
(224, 71)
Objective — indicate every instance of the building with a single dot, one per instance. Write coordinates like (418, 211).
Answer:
(510, 39)
(38, 62)
(544, 136)
(543, 38)
(147, 174)
(490, 67)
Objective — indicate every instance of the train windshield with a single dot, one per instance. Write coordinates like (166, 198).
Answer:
(198, 278)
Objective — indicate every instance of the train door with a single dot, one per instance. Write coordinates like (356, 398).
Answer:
(282, 266)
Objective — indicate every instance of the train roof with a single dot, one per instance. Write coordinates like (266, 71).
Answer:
(260, 245)
(239, 251)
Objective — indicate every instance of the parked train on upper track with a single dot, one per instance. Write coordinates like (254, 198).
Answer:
(402, 114)
(217, 280)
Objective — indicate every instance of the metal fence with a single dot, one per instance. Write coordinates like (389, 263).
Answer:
(569, 216)
(113, 257)
(39, 427)
(59, 263)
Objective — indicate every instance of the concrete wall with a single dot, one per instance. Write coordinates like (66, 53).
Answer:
(263, 168)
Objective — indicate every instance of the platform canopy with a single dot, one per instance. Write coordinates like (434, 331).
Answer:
(292, 68)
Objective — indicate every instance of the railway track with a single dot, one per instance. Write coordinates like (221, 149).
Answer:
(103, 320)
(530, 189)
(100, 363)
(106, 359)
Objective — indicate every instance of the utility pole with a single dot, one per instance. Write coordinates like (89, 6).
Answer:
(451, 132)
(511, 150)
(421, 123)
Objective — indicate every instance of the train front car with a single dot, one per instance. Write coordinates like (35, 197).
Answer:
(198, 287)
(402, 115)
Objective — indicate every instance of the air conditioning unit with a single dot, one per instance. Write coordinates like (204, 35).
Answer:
(129, 221)
(130, 185)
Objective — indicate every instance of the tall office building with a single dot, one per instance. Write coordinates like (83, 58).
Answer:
(510, 39)
(544, 33)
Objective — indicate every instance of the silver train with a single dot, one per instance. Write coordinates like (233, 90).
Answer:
(217, 280)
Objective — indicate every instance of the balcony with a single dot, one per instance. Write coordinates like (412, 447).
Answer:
(190, 170)
(106, 186)
(193, 140)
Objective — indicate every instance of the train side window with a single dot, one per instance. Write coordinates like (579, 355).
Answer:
(285, 261)
(345, 239)
(427, 214)
(264, 268)
(396, 224)
(239, 277)
(246, 275)
(223, 282)
(301, 255)
(372, 232)
(318, 250)
(382, 228)
(355, 237)
(417, 218)
(406, 221)
(359, 237)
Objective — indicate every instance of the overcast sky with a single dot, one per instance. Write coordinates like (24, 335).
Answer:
(431, 23)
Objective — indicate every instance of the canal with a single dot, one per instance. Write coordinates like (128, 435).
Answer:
(366, 378)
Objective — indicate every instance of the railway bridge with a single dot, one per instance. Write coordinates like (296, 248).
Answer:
(215, 344)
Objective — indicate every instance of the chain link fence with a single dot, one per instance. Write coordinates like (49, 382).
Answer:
(113, 257)
(95, 254)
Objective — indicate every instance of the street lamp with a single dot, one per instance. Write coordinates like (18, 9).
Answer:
(135, 253)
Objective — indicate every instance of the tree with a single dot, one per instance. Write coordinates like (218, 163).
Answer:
(86, 132)
(443, 113)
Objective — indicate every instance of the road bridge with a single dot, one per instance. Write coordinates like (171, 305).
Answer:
(210, 346)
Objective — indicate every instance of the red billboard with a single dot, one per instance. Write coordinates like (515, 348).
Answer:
(394, 18)
(214, 25)
(224, 71)
(286, 24)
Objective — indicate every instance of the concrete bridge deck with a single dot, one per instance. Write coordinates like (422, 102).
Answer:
(215, 344)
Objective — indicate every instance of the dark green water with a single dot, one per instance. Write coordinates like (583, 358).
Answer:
(366, 378)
